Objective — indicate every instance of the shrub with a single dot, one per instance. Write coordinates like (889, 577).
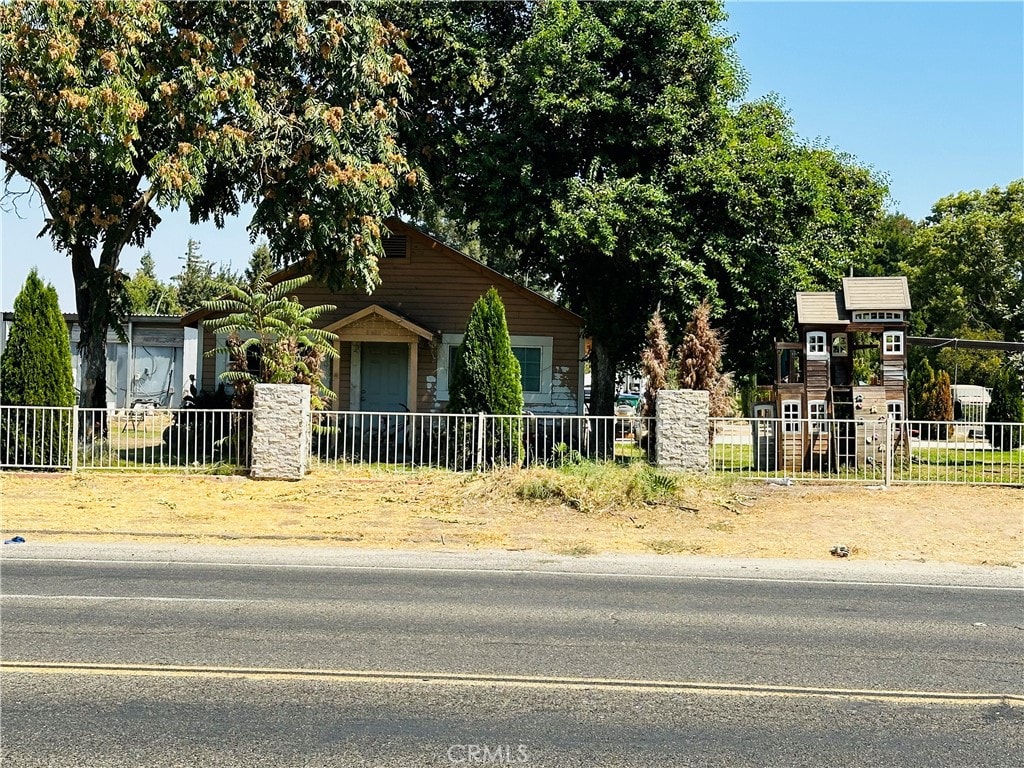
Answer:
(1007, 406)
(35, 370)
(486, 378)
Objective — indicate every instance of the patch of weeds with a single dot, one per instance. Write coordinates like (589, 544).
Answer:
(721, 525)
(672, 547)
(536, 489)
(577, 550)
(649, 485)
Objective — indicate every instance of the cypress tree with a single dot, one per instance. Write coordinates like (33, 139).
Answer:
(485, 376)
(1007, 406)
(36, 364)
(35, 370)
(922, 382)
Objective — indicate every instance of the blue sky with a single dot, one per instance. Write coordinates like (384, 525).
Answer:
(929, 94)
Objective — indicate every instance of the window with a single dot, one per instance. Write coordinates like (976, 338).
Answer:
(895, 409)
(892, 343)
(817, 414)
(532, 352)
(816, 344)
(529, 363)
(867, 316)
(839, 344)
(791, 415)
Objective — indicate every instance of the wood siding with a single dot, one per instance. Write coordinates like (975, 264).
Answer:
(436, 287)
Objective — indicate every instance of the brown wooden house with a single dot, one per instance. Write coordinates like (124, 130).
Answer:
(395, 345)
(850, 367)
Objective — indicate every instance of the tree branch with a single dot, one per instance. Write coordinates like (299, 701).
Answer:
(44, 191)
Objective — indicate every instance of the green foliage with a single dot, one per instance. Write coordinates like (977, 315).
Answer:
(601, 154)
(261, 262)
(971, 366)
(937, 405)
(35, 370)
(196, 282)
(486, 377)
(36, 365)
(111, 110)
(147, 294)
(921, 382)
(1007, 406)
(886, 247)
(967, 260)
(770, 216)
(279, 331)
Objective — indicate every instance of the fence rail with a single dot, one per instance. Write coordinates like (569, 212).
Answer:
(147, 438)
(474, 441)
(872, 450)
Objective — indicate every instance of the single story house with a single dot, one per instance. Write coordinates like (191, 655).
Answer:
(395, 346)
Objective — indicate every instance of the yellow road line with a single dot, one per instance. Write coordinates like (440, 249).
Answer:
(443, 678)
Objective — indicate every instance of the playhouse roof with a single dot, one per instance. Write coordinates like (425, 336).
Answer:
(858, 293)
(876, 293)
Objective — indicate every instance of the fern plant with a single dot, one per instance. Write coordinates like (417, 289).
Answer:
(268, 323)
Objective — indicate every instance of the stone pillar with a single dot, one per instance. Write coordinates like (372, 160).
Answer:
(280, 431)
(681, 430)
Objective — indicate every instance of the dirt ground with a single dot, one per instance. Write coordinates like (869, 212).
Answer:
(441, 511)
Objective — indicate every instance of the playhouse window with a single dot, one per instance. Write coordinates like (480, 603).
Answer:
(791, 415)
(817, 414)
(839, 344)
(816, 344)
(895, 409)
(892, 343)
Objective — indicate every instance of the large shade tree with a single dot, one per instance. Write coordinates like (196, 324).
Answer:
(112, 110)
(610, 165)
(966, 266)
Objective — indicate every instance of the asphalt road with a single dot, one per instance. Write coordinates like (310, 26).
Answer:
(141, 656)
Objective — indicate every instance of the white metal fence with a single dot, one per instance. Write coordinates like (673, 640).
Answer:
(875, 450)
(142, 438)
(467, 441)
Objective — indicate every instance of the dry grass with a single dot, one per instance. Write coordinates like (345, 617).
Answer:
(579, 512)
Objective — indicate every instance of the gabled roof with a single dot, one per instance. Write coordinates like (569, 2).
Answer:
(820, 308)
(876, 293)
(388, 314)
(397, 226)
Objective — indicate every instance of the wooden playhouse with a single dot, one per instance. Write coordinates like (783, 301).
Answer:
(836, 386)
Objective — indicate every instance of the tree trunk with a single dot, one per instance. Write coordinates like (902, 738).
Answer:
(602, 378)
(93, 323)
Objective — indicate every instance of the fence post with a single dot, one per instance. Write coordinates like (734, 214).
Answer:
(481, 426)
(890, 448)
(74, 439)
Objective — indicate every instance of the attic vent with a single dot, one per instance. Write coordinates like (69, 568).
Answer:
(395, 246)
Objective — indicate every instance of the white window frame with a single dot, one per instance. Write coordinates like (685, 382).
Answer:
(895, 408)
(545, 343)
(843, 341)
(791, 415)
(895, 339)
(817, 413)
(817, 344)
(877, 315)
